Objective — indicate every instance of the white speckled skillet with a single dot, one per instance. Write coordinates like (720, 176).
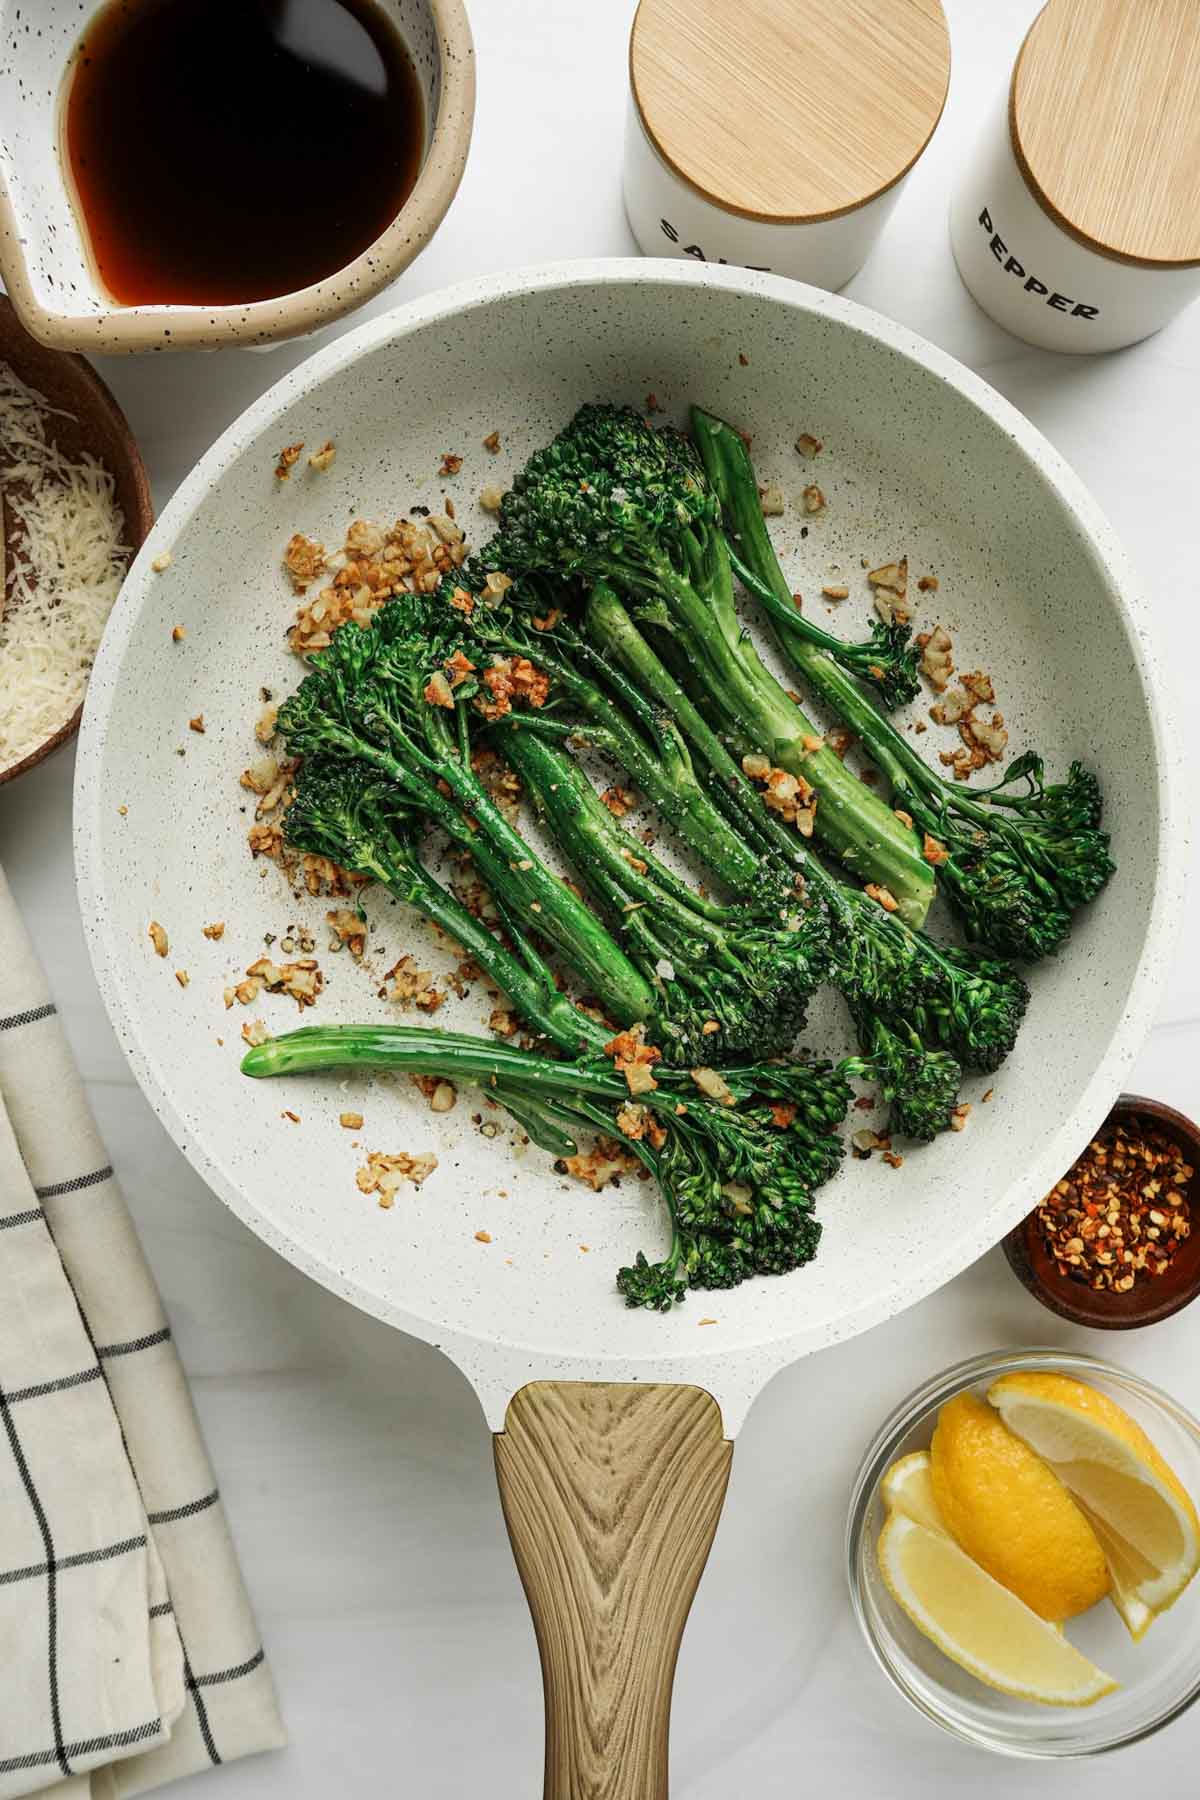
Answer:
(612, 1491)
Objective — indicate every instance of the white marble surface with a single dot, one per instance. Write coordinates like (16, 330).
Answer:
(355, 1464)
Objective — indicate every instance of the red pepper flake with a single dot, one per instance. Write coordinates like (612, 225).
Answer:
(1121, 1212)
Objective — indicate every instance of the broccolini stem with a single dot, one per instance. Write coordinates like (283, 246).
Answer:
(905, 771)
(731, 473)
(419, 1050)
(663, 772)
(505, 862)
(557, 915)
(551, 1127)
(895, 759)
(614, 633)
(783, 612)
(865, 835)
(588, 833)
(857, 827)
(550, 1100)
(427, 1050)
(533, 994)
(612, 626)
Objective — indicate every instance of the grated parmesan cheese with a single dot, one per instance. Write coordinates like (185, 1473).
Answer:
(65, 563)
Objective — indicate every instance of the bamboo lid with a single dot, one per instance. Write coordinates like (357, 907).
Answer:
(790, 110)
(1105, 119)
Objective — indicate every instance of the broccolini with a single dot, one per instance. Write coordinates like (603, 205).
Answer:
(1015, 865)
(738, 1178)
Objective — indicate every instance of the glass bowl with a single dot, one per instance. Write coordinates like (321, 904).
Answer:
(1159, 1677)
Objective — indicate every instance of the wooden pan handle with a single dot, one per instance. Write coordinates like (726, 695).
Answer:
(611, 1493)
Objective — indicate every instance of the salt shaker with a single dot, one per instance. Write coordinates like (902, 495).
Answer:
(1077, 221)
(777, 133)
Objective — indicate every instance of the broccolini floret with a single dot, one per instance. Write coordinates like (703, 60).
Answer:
(918, 1085)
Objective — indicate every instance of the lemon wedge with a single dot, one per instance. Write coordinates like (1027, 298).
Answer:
(1009, 1511)
(978, 1623)
(1128, 1573)
(907, 1488)
(1143, 1516)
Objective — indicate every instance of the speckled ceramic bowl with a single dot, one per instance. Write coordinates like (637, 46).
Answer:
(920, 457)
(44, 259)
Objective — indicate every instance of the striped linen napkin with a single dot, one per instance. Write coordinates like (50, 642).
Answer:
(128, 1652)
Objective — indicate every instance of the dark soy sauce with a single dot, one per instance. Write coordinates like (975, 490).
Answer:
(234, 150)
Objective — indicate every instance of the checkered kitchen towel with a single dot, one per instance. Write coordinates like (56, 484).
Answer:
(128, 1651)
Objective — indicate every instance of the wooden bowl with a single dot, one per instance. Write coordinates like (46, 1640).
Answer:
(1147, 1301)
(96, 423)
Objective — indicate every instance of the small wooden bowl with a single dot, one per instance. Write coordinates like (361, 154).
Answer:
(96, 424)
(1147, 1301)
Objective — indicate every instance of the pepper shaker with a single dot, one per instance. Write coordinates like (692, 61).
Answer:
(777, 134)
(1077, 223)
